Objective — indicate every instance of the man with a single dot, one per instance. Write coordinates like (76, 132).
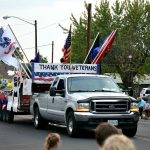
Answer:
(103, 131)
(141, 105)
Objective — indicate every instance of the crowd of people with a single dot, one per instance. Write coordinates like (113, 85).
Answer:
(107, 136)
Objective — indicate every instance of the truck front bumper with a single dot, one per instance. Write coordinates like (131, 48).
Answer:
(88, 119)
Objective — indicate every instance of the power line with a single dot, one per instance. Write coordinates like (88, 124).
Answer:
(47, 26)
(38, 46)
(42, 28)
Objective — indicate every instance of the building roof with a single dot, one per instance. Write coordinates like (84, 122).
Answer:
(143, 80)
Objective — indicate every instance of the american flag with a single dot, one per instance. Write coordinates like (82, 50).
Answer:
(67, 47)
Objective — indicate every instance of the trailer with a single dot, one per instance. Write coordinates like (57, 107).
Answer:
(25, 85)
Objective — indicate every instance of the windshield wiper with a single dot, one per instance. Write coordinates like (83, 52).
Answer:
(93, 91)
(104, 91)
(79, 91)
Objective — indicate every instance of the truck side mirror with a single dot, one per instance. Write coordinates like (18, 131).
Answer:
(52, 91)
(63, 93)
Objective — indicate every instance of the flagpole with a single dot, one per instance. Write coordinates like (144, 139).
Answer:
(90, 49)
(22, 51)
(18, 43)
(70, 48)
(22, 66)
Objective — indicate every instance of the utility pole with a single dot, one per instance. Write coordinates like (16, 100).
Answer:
(52, 50)
(35, 24)
(88, 29)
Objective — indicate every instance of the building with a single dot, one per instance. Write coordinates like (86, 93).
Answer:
(4, 71)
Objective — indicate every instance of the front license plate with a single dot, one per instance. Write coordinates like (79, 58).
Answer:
(113, 122)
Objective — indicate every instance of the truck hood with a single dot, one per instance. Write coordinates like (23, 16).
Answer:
(86, 95)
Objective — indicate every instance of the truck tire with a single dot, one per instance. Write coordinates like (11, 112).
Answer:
(131, 132)
(9, 116)
(72, 127)
(38, 120)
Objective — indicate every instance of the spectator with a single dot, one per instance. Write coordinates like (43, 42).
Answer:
(141, 105)
(52, 141)
(147, 109)
(3, 101)
(118, 142)
(103, 131)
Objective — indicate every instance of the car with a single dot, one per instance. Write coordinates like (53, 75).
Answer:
(145, 92)
(145, 98)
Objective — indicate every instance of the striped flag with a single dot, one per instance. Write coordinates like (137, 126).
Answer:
(67, 47)
(105, 48)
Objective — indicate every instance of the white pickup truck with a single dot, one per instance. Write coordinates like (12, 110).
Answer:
(83, 101)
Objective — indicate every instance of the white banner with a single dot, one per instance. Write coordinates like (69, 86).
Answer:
(65, 68)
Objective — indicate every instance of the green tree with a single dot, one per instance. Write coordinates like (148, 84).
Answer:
(132, 20)
(43, 59)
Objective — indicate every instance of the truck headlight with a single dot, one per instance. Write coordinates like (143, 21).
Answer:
(134, 107)
(83, 107)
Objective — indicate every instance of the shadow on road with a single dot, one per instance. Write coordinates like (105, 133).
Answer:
(28, 122)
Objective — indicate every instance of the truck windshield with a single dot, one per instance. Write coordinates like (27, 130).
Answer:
(91, 84)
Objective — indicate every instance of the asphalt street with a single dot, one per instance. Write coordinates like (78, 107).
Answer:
(21, 135)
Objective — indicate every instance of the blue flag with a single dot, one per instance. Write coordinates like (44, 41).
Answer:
(94, 49)
(37, 58)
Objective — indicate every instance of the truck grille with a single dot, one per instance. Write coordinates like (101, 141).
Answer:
(109, 106)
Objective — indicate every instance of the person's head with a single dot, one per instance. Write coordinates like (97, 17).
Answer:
(118, 142)
(62, 60)
(52, 141)
(103, 131)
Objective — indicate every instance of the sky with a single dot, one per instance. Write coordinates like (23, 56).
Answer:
(49, 14)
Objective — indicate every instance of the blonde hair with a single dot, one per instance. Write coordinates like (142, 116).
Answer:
(52, 141)
(118, 142)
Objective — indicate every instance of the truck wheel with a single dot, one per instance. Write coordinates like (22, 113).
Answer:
(72, 127)
(38, 121)
(9, 116)
(131, 132)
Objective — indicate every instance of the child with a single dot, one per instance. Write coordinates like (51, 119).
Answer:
(52, 141)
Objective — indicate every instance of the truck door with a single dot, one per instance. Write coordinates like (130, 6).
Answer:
(56, 104)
